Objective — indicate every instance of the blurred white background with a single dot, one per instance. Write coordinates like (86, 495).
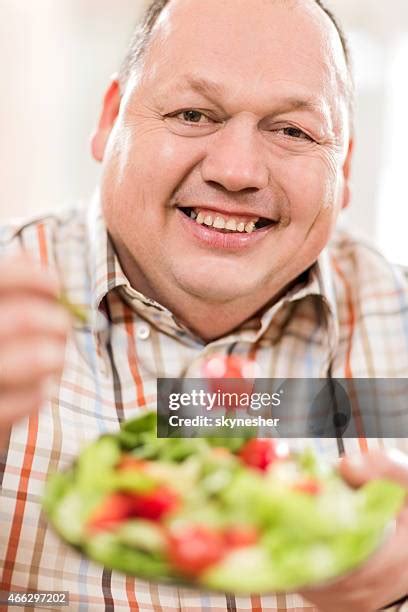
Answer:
(56, 57)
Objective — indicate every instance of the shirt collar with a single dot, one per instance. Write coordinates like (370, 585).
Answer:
(104, 268)
(107, 274)
(318, 282)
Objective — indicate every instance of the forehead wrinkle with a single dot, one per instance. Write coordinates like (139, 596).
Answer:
(203, 86)
(214, 90)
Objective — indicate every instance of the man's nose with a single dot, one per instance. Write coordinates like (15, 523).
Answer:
(236, 158)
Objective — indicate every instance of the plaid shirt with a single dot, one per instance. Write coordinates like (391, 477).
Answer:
(348, 313)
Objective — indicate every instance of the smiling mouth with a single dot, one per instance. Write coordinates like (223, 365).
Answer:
(226, 224)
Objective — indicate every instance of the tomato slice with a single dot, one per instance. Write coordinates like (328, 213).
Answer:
(195, 548)
(241, 536)
(119, 507)
(130, 463)
(259, 453)
(308, 485)
(115, 508)
(155, 504)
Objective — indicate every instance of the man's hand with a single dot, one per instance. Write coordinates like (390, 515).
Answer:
(384, 577)
(33, 331)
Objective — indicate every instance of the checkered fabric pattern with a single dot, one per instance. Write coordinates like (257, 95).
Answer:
(347, 314)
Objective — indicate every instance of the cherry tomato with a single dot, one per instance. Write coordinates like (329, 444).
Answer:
(241, 536)
(230, 374)
(224, 366)
(195, 549)
(259, 453)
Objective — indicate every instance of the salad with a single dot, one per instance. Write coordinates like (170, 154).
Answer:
(235, 515)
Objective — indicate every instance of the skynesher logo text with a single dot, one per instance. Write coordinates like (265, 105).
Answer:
(226, 422)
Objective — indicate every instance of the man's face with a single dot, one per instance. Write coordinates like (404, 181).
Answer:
(238, 118)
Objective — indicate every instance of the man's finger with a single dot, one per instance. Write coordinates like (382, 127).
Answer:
(25, 361)
(31, 315)
(22, 274)
(359, 469)
(15, 405)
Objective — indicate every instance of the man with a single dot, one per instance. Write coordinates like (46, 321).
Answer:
(226, 147)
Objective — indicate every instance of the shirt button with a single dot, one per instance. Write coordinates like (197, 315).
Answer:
(143, 331)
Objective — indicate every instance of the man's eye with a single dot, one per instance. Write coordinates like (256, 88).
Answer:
(296, 133)
(192, 116)
(192, 122)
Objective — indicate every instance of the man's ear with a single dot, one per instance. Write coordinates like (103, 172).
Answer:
(346, 175)
(110, 110)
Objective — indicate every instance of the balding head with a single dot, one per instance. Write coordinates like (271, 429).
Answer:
(142, 34)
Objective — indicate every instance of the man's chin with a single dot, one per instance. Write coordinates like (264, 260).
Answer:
(220, 290)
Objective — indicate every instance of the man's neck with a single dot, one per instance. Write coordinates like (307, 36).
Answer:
(207, 320)
(211, 321)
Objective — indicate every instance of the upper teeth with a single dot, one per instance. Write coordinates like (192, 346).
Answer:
(229, 223)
